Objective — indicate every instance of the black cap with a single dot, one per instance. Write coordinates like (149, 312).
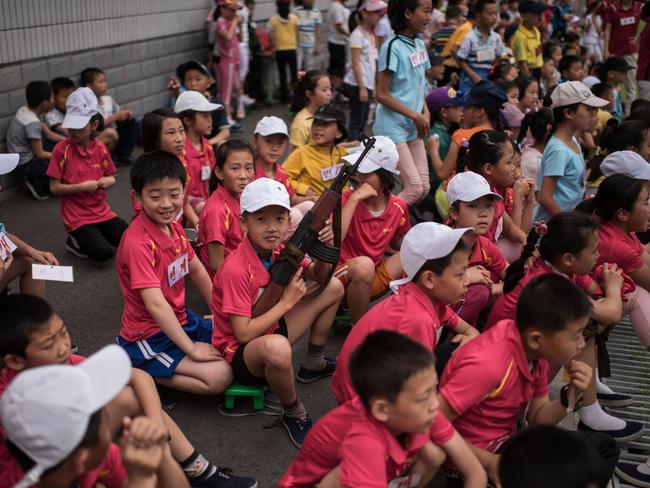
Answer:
(436, 59)
(331, 112)
(484, 93)
(195, 65)
(616, 63)
(532, 6)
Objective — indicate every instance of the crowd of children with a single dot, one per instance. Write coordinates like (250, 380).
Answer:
(490, 239)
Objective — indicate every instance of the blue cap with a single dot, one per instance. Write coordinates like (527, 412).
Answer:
(484, 93)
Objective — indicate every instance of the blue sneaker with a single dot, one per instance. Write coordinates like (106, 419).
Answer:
(308, 375)
(632, 431)
(222, 478)
(297, 429)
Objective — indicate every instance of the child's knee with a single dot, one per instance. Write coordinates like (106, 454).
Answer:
(335, 289)
(361, 269)
(102, 254)
(277, 351)
(220, 378)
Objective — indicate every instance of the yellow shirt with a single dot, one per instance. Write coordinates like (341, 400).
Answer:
(304, 167)
(527, 46)
(603, 117)
(456, 39)
(301, 128)
(285, 32)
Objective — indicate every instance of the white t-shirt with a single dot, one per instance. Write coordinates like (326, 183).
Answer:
(338, 14)
(107, 107)
(590, 34)
(365, 41)
(383, 28)
(244, 15)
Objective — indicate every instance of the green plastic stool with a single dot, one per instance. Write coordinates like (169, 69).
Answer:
(342, 317)
(237, 390)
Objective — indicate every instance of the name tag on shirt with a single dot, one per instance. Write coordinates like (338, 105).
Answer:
(406, 481)
(330, 173)
(177, 270)
(484, 55)
(628, 21)
(7, 247)
(418, 57)
(205, 173)
(52, 273)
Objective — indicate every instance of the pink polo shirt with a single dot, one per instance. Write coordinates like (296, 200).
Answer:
(199, 168)
(616, 246)
(486, 254)
(148, 258)
(368, 454)
(411, 312)
(370, 235)
(72, 163)
(219, 222)
(280, 175)
(505, 308)
(228, 48)
(497, 222)
(236, 288)
(488, 383)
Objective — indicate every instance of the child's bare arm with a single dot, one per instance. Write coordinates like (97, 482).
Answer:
(512, 231)
(216, 254)
(145, 391)
(51, 134)
(25, 250)
(190, 214)
(459, 453)
(59, 188)
(37, 149)
(468, 71)
(465, 332)
(201, 280)
(220, 137)
(608, 310)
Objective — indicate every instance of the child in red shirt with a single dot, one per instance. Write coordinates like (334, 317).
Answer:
(494, 379)
(81, 170)
(259, 348)
(228, 34)
(219, 230)
(471, 205)
(381, 437)
(194, 110)
(372, 219)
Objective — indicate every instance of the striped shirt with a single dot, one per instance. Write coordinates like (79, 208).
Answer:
(308, 21)
(440, 38)
(479, 52)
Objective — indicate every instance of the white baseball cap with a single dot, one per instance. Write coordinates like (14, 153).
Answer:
(467, 187)
(571, 92)
(8, 163)
(626, 163)
(80, 108)
(382, 155)
(193, 100)
(263, 192)
(425, 241)
(270, 125)
(45, 411)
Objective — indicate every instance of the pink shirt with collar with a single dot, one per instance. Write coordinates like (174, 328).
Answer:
(199, 168)
(281, 176)
(486, 254)
(145, 259)
(619, 247)
(489, 383)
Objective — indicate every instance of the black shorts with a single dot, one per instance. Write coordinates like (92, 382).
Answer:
(240, 371)
(338, 54)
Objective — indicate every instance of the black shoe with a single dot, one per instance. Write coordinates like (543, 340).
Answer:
(37, 191)
(614, 400)
(222, 478)
(72, 246)
(167, 398)
(631, 431)
(629, 473)
(308, 376)
(297, 429)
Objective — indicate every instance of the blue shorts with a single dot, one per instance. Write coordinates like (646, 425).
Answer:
(158, 355)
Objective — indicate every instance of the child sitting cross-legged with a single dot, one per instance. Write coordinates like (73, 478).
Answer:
(380, 437)
(259, 348)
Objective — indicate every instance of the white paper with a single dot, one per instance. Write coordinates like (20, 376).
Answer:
(52, 273)
(6, 246)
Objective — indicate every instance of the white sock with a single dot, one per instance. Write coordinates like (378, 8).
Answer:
(595, 417)
(600, 386)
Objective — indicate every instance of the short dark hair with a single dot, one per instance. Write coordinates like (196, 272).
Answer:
(151, 127)
(545, 456)
(566, 62)
(617, 192)
(89, 75)
(156, 166)
(190, 114)
(507, 85)
(600, 89)
(480, 5)
(61, 83)
(439, 265)
(224, 151)
(37, 92)
(562, 302)
(22, 315)
(384, 362)
(397, 10)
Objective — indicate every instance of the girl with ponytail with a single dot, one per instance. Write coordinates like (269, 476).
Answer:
(539, 124)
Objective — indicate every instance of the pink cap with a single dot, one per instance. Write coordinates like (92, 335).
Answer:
(374, 5)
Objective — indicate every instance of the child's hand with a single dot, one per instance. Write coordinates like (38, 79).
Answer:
(295, 290)
(478, 274)
(422, 125)
(612, 277)
(203, 352)
(363, 94)
(521, 189)
(364, 192)
(42, 257)
(123, 115)
(580, 374)
(90, 186)
(174, 85)
(142, 446)
(105, 182)
(433, 144)
(310, 193)
(492, 469)
(326, 235)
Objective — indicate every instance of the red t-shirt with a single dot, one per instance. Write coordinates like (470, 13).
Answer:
(228, 48)
(236, 288)
(486, 254)
(488, 383)
(643, 63)
(505, 307)
(199, 168)
(615, 246)
(370, 235)
(368, 454)
(410, 312)
(497, 222)
(72, 163)
(219, 222)
(281, 176)
(148, 258)
(625, 23)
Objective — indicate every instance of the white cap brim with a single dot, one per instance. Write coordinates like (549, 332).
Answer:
(203, 107)
(109, 370)
(269, 131)
(267, 203)
(374, 6)
(367, 165)
(75, 121)
(475, 194)
(8, 163)
(595, 101)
